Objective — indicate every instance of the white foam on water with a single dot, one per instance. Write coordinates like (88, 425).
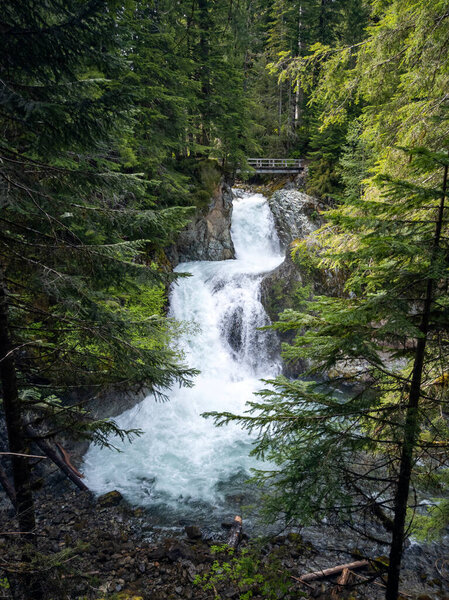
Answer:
(181, 457)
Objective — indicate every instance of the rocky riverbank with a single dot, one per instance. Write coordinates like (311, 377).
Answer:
(105, 548)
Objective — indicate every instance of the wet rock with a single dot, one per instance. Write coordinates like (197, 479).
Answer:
(193, 532)
(295, 215)
(178, 550)
(142, 567)
(278, 289)
(156, 553)
(208, 235)
(110, 499)
(191, 571)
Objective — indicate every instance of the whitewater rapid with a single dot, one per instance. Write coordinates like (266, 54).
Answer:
(182, 461)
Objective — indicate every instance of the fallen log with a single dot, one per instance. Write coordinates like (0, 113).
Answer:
(66, 458)
(54, 456)
(333, 570)
(341, 582)
(235, 533)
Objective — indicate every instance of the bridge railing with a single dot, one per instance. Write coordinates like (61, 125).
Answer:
(275, 163)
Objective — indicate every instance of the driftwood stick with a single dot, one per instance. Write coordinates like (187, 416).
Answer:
(66, 458)
(299, 580)
(235, 532)
(382, 585)
(341, 582)
(344, 577)
(7, 486)
(54, 456)
(20, 454)
(333, 570)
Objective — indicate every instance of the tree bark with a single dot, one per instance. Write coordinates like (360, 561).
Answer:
(235, 532)
(205, 26)
(25, 586)
(54, 456)
(17, 440)
(298, 91)
(411, 427)
(6, 485)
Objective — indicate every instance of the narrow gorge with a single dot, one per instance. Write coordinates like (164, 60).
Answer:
(182, 466)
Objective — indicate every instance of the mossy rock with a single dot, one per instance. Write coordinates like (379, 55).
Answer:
(208, 175)
(110, 499)
(295, 538)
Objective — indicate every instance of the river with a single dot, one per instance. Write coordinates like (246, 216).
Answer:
(183, 468)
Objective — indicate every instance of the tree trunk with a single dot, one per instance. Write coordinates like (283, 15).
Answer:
(280, 109)
(65, 467)
(205, 26)
(17, 440)
(235, 533)
(411, 427)
(26, 586)
(298, 91)
(6, 485)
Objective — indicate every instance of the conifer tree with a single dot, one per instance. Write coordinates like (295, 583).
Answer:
(340, 457)
(75, 230)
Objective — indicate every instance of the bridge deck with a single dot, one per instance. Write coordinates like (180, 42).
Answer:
(275, 165)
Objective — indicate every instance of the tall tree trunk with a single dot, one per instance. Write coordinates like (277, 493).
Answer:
(17, 439)
(6, 485)
(298, 91)
(27, 586)
(290, 122)
(280, 110)
(411, 427)
(322, 25)
(205, 27)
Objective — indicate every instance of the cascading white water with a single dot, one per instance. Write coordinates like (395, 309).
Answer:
(182, 460)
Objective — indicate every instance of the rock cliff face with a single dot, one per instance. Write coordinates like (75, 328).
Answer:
(296, 217)
(208, 235)
(295, 214)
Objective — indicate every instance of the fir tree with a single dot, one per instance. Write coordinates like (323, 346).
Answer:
(75, 231)
(339, 457)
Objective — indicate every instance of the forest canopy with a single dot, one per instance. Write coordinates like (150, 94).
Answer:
(119, 121)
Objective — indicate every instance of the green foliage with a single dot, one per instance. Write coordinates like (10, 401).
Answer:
(78, 227)
(324, 154)
(4, 584)
(290, 123)
(338, 455)
(394, 75)
(356, 162)
(247, 573)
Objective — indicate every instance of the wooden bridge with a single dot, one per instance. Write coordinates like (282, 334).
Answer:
(275, 165)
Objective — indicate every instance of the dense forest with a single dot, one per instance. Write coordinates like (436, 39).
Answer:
(120, 121)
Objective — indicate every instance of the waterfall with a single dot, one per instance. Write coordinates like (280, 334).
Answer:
(182, 462)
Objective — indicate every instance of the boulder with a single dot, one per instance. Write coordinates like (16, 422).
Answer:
(193, 532)
(110, 499)
(177, 551)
